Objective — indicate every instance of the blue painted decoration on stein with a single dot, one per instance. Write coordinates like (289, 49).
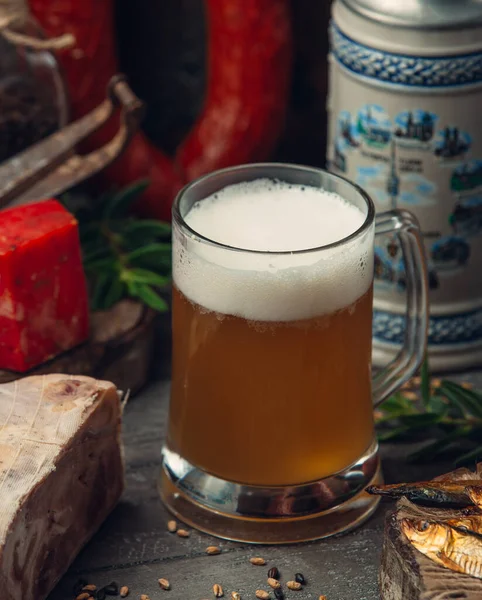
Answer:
(405, 123)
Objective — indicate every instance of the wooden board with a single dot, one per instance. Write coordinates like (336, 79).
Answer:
(119, 349)
(405, 573)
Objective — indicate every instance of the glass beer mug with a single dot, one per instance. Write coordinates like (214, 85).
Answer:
(271, 434)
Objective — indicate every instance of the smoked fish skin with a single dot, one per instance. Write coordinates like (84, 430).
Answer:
(450, 544)
(444, 494)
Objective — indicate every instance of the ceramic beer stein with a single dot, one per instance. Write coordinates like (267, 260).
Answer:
(405, 123)
(271, 433)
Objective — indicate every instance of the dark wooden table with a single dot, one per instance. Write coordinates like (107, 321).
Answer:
(134, 548)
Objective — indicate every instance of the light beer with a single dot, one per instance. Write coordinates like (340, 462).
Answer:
(272, 348)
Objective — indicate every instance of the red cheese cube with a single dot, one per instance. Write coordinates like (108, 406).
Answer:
(43, 293)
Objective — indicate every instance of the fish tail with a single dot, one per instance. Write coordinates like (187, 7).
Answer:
(387, 490)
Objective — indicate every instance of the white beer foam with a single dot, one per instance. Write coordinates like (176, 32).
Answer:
(276, 217)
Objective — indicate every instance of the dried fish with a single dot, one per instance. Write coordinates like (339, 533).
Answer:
(446, 494)
(475, 494)
(450, 544)
(468, 523)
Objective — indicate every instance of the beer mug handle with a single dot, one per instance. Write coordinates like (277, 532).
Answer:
(404, 225)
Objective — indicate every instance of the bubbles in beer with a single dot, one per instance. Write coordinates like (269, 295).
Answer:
(270, 280)
(363, 261)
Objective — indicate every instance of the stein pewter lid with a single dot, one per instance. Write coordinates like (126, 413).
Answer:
(420, 14)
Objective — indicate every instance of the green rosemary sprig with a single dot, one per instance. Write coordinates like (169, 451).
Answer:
(446, 413)
(123, 256)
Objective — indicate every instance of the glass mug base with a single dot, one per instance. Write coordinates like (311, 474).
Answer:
(270, 515)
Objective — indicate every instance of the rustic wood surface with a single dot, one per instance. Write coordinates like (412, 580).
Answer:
(134, 548)
(119, 348)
